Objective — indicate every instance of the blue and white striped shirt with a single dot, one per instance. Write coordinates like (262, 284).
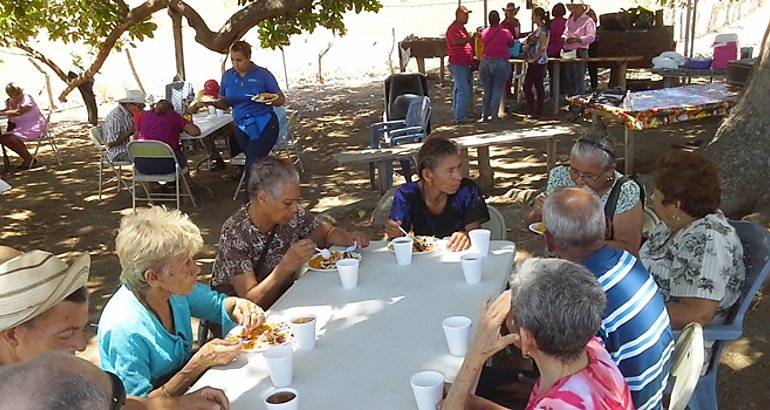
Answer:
(635, 324)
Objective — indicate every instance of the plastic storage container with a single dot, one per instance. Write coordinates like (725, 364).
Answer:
(725, 50)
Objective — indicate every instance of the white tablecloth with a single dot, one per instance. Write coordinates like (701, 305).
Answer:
(208, 124)
(371, 339)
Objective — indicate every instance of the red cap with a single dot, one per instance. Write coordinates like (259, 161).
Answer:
(211, 87)
(462, 10)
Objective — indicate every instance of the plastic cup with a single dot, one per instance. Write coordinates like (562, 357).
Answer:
(480, 240)
(279, 362)
(428, 387)
(457, 330)
(472, 265)
(282, 399)
(220, 112)
(303, 327)
(348, 270)
(212, 110)
(402, 247)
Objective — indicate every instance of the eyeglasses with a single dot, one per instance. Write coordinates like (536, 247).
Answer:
(118, 391)
(583, 175)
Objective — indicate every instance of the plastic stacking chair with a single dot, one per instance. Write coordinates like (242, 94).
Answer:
(686, 365)
(158, 149)
(104, 161)
(756, 255)
(496, 224)
(47, 137)
(287, 121)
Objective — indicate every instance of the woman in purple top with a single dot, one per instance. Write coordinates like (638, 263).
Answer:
(494, 68)
(163, 124)
(26, 123)
(555, 42)
(442, 203)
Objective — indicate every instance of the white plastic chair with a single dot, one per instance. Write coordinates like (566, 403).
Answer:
(159, 150)
(496, 224)
(47, 136)
(104, 161)
(686, 365)
(286, 141)
(240, 161)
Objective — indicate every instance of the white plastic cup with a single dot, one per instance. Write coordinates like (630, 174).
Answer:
(212, 110)
(279, 362)
(457, 330)
(282, 399)
(220, 112)
(472, 264)
(348, 270)
(428, 388)
(480, 240)
(303, 327)
(402, 247)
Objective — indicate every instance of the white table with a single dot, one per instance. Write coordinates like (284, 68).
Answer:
(371, 339)
(208, 124)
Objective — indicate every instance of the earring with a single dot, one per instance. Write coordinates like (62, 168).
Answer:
(524, 354)
(610, 178)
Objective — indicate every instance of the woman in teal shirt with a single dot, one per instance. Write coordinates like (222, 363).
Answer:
(145, 335)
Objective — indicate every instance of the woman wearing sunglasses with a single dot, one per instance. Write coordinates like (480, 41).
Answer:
(592, 164)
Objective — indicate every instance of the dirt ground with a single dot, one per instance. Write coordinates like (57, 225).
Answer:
(56, 208)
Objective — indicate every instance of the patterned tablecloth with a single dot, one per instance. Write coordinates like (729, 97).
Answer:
(653, 108)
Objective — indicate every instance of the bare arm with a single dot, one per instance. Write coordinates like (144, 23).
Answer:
(688, 310)
(281, 100)
(192, 129)
(628, 230)
(326, 235)
(123, 136)
(541, 47)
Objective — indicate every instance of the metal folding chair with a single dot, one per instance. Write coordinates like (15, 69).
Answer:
(158, 150)
(104, 161)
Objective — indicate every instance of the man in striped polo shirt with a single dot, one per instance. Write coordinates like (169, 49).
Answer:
(460, 51)
(635, 325)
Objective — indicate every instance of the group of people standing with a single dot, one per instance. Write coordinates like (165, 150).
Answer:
(492, 46)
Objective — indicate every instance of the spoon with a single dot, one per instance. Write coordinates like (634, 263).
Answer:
(402, 230)
(352, 247)
(324, 253)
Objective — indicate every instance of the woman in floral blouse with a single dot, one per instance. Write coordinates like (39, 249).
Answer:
(694, 254)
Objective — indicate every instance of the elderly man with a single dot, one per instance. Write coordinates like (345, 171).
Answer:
(120, 125)
(578, 35)
(635, 325)
(45, 309)
(460, 51)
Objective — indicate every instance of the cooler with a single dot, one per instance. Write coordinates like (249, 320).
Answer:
(725, 50)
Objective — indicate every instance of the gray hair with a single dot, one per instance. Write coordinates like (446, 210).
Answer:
(574, 222)
(50, 383)
(560, 302)
(271, 175)
(595, 148)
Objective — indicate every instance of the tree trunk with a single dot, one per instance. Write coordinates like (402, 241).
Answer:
(89, 98)
(740, 146)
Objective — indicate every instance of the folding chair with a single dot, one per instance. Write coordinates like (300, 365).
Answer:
(159, 150)
(286, 141)
(104, 161)
(496, 224)
(686, 365)
(240, 161)
(47, 136)
(756, 255)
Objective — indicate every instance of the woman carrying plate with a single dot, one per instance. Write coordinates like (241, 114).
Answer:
(145, 335)
(256, 123)
(441, 203)
(267, 240)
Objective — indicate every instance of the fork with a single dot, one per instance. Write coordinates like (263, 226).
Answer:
(352, 247)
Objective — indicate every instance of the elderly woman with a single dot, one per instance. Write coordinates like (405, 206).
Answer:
(553, 311)
(592, 164)
(145, 335)
(162, 123)
(494, 68)
(272, 236)
(26, 123)
(694, 254)
(441, 203)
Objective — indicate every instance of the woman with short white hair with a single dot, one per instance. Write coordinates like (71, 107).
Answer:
(145, 335)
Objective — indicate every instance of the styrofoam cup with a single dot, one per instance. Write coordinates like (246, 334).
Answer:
(480, 240)
(348, 270)
(220, 112)
(428, 387)
(402, 247)
(212, 110)
(280, 364)
(284, 396)
(303, 327)
(457, 330)
(472, 264)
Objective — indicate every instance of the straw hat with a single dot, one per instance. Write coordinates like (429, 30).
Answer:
(36, 281)
(511, 7)
(135, 97)
(578, 3)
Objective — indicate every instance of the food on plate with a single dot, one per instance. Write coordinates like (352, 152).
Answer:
(267, 96)
(263, 336)
(421, 244)
(208, 98)
(537, 228)
(318, 261)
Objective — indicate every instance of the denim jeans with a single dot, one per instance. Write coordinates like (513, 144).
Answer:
(493, 73)
(575, 75)
(462, 91)
(257, 148)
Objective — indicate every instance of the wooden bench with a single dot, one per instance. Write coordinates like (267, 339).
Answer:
(383, 157)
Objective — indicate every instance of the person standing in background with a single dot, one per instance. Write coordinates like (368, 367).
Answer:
(578, 35)
(460, 51)
(537, 58)
(555, 41)
(512, 24)
(593, 69)
(494, 68)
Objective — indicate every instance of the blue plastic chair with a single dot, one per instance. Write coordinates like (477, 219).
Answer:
(756, 255)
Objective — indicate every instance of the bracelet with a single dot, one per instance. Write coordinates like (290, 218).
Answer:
(164, 391)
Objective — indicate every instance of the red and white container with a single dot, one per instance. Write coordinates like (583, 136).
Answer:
(725, 50)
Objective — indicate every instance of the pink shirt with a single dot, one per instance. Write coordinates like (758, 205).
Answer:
(165, 127)
(598, 386)
(582, 27)
(31, 124)
(555, 41)
(496, 42)
(463, 54)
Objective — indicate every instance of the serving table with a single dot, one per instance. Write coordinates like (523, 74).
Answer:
(373, 338)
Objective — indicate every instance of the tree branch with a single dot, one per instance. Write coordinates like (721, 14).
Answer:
(45, 60)
(122, 7)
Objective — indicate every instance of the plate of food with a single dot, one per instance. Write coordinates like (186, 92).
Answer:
(261, 337)
(264, 97)
(537, 228)
(422, 244)
(209, 98)
(318, 263)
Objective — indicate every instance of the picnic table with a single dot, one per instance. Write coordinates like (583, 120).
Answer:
(643, 110)
(373, 338)
(383, 157)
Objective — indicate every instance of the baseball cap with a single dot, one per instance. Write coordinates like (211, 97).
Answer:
(462, 10)
(211, 87)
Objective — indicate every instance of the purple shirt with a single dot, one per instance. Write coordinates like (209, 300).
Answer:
(555, 41)
(584, 28)
(496, 41)
(165, 127)
(30, 125)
